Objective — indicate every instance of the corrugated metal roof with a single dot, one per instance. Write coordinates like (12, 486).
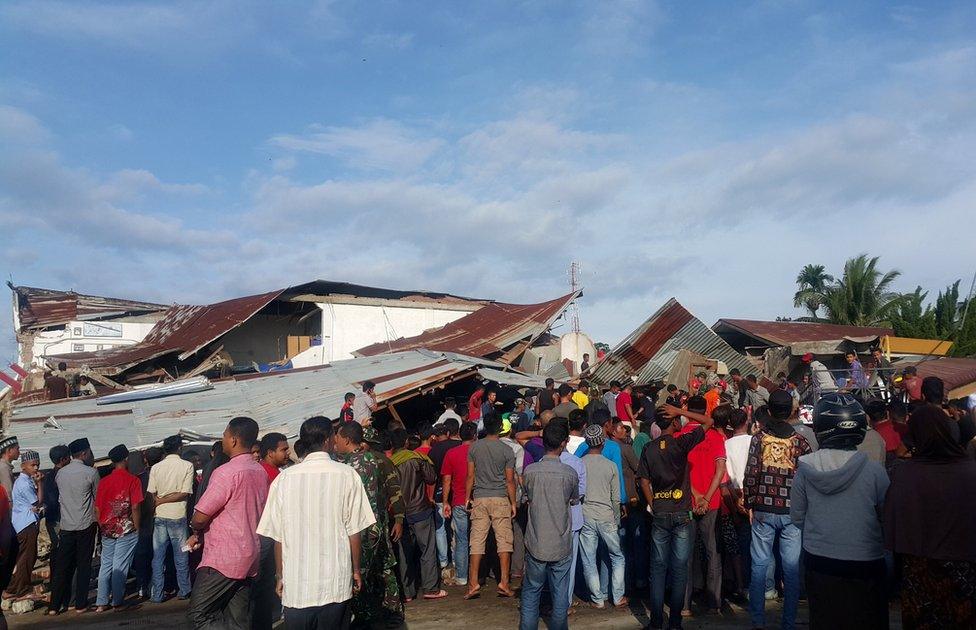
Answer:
(183, 330)
(514, 379)
(785, 333)
(279, 401)
(42, 308)
(649, 352)
(954, 372)
(486, 332)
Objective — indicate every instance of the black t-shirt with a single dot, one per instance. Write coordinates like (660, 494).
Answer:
(664, 463)
(646, 409)
(547, 400)
(437, 453)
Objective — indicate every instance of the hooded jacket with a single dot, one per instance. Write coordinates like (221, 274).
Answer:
(836, 501)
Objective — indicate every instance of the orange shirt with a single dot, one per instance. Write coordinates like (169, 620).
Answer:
(711, 399)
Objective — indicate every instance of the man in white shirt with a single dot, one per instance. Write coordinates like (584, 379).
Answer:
(315, 513)
(170, 484)
(449, 411)
(364, 406)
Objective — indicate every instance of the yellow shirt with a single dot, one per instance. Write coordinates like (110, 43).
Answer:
(581, 399)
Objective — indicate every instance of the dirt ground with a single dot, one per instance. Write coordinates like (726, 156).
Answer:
(453, 612)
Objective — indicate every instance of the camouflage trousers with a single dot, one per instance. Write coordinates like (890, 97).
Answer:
(380, 598)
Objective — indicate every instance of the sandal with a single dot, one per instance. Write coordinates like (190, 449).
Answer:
(441, 594)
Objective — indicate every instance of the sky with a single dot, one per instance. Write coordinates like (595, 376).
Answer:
(188, 152)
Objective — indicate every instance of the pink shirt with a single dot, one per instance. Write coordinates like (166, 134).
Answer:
(235, 499)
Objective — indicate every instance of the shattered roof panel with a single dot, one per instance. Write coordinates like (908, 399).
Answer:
(490, 330)
(650, 351)
(183, 330)
(329, 288)
(42, 308)
(954, 372)
(785, 333)
(278, 401)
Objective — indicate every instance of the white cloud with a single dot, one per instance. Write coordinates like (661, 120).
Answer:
(18, 127)
(380, 144)
(617, 28)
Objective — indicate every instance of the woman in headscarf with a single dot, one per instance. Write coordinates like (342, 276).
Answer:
(929, 516)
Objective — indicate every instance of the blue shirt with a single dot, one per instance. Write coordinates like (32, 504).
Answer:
(611, 450)
(25, 498)
(576, 511)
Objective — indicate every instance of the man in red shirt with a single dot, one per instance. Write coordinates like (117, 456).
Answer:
(117, 507)
(625, 405)
(454, 476)
(706, 468)
(266, 605)
(274, 454)
(474, 403)
(346, 414)
(881, 422)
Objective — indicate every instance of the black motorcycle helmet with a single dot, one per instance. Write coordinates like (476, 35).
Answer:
(839, 421)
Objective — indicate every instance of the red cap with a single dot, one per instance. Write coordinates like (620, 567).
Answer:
(807, 357)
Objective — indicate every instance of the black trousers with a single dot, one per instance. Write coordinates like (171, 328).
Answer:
(328, 617)
(220, 602)
(851, 601)
(265, 604)
(74, 559)
(54, 533)
(9, 561)
(417, 554)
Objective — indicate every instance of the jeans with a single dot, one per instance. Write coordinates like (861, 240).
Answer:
(440, 534)
(671, 539)
(220, 602)
(459, 521)
(590, 536)
(574, 557)
(117, 554)
(168, 531)
(765, 526)
(537, 574)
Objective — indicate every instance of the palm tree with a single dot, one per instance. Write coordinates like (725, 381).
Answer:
(863, 296)
(812, 283)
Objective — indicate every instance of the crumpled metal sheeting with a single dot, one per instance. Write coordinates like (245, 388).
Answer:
(279, 401)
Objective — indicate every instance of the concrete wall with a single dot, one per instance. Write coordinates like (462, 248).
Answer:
(264, 338)
(349, 327)
(101, 336)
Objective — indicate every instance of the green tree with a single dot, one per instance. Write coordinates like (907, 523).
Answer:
(811, 282)
(946, 311)
(965, 339)
(863, 296)
(914, 318)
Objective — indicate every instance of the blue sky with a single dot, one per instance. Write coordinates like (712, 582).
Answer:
(194, 151)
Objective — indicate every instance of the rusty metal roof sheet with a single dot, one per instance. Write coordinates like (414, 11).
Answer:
(184, 330)
(279, 401)
(42, 308)
(785, 333)
(954, 372)
(649, 352)
(487, 332)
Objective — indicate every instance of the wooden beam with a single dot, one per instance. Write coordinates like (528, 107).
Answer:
(394, 413)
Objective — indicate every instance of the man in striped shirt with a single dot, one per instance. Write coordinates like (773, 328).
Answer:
(315, 513)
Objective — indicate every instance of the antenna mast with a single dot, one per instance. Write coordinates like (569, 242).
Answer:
(574, 282)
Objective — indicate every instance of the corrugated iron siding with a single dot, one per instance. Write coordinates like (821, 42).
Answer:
(184, 329)
(649, 352)
(490, 330)
(40, 308)
(279, 401)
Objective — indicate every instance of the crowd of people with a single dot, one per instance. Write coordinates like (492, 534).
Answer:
(691, 497)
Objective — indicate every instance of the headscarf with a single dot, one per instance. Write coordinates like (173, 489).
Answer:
(932, 433)
(929, 509)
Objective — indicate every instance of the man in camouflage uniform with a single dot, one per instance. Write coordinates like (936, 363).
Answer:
(379, 600)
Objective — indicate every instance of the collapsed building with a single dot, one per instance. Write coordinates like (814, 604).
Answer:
(199, 366)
